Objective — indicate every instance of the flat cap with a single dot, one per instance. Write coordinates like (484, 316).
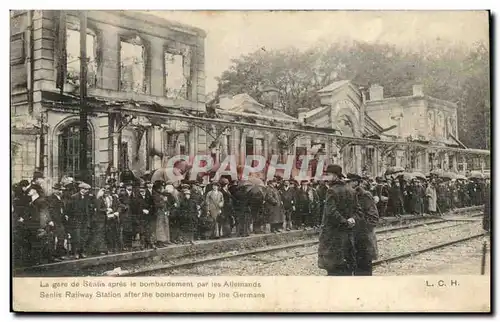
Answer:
(84, 185)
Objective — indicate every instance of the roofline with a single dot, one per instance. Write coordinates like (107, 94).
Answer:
(257, 116)
(331, 90)
(411, 97)
(172, 24)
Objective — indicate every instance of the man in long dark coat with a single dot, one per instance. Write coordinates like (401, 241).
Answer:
(487, 208)
(81, 209)
(20, 203)
(227, 214)
(396, 199)
(274, 207)
(288, 198)
(303, 212)
(441, 198)
(336, 252)
(39, 227)
(382, 192)
(127, 216)
(321, 191)
(189, 211)
(58, 215)
(143, 207)
(364, 231)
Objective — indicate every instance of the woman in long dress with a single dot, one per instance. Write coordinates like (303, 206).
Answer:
(104, 207)
(214, 203)
(431, 195)
(166, 203)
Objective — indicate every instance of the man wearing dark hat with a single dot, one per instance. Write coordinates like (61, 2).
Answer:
(81, 209)
(288, 198)
(382, 192)
(143, 208)
(214, 202)
(396, 198)
(20, 204)
(189, 215)
(39, 179)
(38, 225)
(227, 214)
(127, 216)
(273, 207)
(365, 241)
(336, 252)
(58, 214)
(303, 204)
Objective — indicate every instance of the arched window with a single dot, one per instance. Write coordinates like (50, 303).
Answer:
(346, 126)
(431, 123)
(178, 71)
(133, 65)
(440, 125)
(69, 151)
(73, 54)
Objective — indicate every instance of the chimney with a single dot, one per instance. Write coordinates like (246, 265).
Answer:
(376, 92)
(301, 112)
(418, 90)
(225, 101)
(270, 96)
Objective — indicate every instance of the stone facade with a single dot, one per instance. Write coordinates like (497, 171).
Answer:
(419, 118)
(37, 118)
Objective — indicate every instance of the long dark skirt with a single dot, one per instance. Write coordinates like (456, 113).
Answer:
(113, 234)
(79, 239)
(98, 242)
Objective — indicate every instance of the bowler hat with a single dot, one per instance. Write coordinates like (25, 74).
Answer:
(335, 169)
(58, 186)
(353, 177)
(38, 175)
(24, 183)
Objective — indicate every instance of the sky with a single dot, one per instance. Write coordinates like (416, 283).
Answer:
(231, 34)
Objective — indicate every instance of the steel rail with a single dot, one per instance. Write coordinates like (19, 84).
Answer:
(425, 250)
(191, 263)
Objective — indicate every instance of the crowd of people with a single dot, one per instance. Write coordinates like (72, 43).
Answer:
(77, 220)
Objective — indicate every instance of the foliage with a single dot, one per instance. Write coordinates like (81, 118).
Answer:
(454, 73)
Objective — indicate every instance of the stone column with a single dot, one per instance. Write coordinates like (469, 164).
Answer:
(110, 59)
(192, 142)
(235, 138)
(157, 68)
(265, 145)
(243, 147)
(454, 161)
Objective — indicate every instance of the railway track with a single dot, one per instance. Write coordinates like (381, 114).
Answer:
(168, 258)
(250, 254)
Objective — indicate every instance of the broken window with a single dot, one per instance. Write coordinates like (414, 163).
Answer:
(73, 55)
(178, 72)
(132, 65)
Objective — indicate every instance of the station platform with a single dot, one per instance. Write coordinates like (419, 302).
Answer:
(99, 264)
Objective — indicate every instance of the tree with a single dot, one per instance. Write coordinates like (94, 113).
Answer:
(453, 73)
